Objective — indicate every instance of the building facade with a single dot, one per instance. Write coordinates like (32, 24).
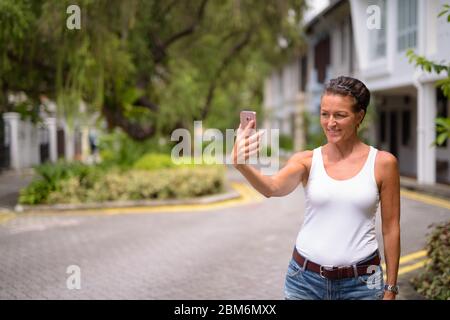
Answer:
(24, 144)
(346, 38)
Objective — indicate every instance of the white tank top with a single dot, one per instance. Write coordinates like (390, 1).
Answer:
(339, 224)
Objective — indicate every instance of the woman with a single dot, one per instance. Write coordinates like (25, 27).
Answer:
(336, 253)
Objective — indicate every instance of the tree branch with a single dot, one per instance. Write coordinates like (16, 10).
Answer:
(115, 118)
(168, 8)
(226, 61)
(189, 30)
(159, 47)
(145, 102)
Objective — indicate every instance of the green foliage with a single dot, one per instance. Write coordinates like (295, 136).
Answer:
(434, 282)
(16, 19)
(443, 129)
(52, 173)
(430, 66)
(154, 176)
(51, 176)
(118, 149)
(286, 142)
(154, 161)
(446, 10)
(36, 192)
(138, 185)
(148, 66)
(28, 111)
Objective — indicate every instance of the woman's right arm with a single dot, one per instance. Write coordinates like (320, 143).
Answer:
(280, 184)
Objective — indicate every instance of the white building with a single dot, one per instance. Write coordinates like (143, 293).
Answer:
(24, 144)
(405, 99)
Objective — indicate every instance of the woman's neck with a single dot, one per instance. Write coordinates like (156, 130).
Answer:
(342, 150)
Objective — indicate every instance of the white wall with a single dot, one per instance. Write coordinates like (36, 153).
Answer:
(433, 41)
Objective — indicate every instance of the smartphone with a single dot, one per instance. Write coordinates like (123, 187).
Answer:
(246, 117)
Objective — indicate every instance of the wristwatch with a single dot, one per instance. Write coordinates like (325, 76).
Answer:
(391, 288)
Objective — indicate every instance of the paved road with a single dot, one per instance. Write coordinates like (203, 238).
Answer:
(237, 252)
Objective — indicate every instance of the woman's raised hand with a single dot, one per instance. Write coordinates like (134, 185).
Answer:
(246, 144)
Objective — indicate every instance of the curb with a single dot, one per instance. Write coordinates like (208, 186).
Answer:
(229, 194)
(436, 190)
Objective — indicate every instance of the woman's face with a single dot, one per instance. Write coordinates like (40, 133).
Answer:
(337, 118)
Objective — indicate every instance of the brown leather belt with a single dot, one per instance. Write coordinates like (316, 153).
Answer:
(336, 273)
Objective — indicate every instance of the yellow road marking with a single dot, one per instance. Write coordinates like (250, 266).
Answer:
(408, 258)
(6, 216)
(413, 267)
(413, 256)
(425, 198)
(247, 196)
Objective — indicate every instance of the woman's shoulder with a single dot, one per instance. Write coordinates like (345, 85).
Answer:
(385, 158)
(302, 156)
(386, 167)
(302, 159)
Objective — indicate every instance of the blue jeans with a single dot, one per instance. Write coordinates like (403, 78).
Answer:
(307, 285)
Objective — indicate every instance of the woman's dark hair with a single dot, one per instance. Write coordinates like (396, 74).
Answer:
(347, 86)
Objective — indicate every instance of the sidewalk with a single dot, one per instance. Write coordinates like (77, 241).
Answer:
(10, 184)
(437, 190)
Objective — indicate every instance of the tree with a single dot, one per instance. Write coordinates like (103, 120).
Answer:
(443, 124)
(148, 66)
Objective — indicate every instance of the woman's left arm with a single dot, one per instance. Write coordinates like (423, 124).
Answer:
(390, 216)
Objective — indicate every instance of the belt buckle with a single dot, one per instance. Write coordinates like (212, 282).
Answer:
(327, 268)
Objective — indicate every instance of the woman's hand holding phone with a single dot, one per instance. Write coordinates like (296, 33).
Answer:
(246, 144)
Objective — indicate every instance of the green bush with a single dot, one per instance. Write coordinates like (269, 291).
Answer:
(174, 183)
(50, 176)
(153, 176)
(157, 161)
(55, 172)
(434, 282)
(118, 149)
(154, 161)
(36, 192)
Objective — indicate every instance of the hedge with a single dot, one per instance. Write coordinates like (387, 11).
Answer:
(434, 282)
(79, 183)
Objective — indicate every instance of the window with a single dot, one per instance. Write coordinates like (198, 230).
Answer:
(377, 37)
(382, 126)
(322, 58)
(406, 127)
(407, 24)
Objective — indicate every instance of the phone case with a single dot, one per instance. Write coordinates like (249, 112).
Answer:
(246, 117)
